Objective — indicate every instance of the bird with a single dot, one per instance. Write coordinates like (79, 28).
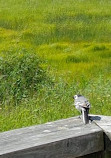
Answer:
(82, 105)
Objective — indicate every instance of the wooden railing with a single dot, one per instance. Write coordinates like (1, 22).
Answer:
(67, 138)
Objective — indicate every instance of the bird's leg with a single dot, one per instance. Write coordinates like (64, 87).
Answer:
(80, 116)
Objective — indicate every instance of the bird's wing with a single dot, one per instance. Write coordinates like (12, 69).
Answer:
(83, 102)
(85, 105)
(82, 98)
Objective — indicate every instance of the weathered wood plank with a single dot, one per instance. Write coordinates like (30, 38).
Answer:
(66, 138)
(104, 122)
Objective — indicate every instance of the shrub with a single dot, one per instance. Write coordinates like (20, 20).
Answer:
(20, 75)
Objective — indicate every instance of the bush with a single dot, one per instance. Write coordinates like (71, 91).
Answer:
(20, 75)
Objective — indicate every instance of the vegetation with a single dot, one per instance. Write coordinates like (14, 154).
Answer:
(49, 51)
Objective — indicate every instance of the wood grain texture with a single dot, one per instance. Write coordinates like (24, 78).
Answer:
(68, 138)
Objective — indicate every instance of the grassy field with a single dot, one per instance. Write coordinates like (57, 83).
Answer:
(49, 51)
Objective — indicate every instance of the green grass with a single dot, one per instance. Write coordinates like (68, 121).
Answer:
(49, 51)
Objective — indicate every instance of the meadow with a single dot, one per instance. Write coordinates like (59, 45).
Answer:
(49, 51)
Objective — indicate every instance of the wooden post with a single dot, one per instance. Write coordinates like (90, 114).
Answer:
(104, 122)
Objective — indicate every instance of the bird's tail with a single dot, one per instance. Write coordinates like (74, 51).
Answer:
(85, 116)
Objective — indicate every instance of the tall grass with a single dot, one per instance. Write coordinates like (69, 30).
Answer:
(49, 51)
